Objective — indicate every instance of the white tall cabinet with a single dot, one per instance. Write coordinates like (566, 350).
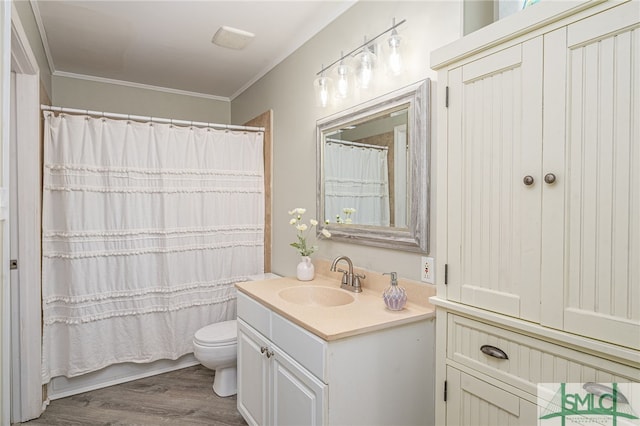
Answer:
(538, 197)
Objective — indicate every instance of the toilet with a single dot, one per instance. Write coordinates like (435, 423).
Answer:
(216, 347)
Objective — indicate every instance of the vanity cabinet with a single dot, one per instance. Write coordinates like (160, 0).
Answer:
(288, 375)
(538, 205)
(275, 389)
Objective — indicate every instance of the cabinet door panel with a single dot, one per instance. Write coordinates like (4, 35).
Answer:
(298, 397)
(472, 401)
(495, 140)
(602, 254)
(253, 379)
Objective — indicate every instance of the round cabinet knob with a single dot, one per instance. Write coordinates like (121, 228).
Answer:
(528, 180)
(549, 178)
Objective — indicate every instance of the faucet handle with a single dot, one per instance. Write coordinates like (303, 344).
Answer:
(355, 283)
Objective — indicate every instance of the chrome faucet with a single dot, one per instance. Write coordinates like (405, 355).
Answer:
(350, 281)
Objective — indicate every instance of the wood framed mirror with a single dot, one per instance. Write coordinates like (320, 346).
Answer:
(373, 171)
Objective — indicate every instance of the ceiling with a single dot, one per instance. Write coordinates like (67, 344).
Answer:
(168, 44)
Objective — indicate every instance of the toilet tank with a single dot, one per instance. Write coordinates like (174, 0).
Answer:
(263, 276)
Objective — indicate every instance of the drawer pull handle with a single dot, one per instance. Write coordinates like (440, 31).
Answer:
(493, 351)
(602, 390)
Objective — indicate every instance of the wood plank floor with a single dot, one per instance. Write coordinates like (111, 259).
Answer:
(181, 397)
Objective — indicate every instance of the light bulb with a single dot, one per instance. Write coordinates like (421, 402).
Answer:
(395, 59)
(365, 68)
(342, 85)
(323, 88)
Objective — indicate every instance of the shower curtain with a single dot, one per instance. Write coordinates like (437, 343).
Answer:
(356, 177)
(146, 227)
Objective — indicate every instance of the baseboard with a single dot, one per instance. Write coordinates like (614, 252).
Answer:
(61, 387)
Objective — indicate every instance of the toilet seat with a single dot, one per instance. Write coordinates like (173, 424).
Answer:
(217, 334)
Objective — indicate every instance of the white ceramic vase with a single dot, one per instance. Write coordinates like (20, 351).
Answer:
(305, 270)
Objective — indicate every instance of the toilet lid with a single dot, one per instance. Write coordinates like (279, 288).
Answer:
(217, 334)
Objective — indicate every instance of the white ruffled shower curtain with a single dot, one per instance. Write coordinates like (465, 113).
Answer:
(356, 177)
(146, 227)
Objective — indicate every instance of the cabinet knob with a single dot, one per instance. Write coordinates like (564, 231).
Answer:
(263, 349)
(493, 351)
(269, 354)
(549, 178)
(528, 180)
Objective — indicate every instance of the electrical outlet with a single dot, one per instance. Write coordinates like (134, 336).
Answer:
(427, 271)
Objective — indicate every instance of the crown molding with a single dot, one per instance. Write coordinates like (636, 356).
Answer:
(139, 85)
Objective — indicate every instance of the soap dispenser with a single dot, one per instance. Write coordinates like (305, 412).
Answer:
(395, 297)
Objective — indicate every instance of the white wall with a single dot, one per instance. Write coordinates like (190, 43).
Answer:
(288, 90)
(100, 96)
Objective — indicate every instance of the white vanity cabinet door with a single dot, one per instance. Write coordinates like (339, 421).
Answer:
(474, 402)
(494, 142)
(298, 398)
(273, 389)
(253, 376)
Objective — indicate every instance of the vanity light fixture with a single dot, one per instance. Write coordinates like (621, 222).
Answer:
(394, 59)
(343, 86)
(322, 85)
(366, 62)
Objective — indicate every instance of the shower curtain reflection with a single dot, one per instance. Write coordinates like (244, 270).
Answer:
(356, 177)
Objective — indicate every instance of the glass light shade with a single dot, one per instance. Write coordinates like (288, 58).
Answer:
(366, 63)
(322, 87)
(394, 59)
(343, 83)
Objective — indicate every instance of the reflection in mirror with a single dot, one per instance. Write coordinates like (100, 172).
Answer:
(372, 171)
(365, 166)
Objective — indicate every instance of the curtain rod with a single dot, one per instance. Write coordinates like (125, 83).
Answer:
(150, 119)
(358, 144)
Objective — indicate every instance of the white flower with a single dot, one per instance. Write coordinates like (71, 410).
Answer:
(303, 231)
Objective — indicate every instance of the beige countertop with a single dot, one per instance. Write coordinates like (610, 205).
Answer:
(366, 313)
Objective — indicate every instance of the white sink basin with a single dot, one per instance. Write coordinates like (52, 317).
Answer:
(310, 295)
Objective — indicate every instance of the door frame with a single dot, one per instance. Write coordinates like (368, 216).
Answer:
(26, 317)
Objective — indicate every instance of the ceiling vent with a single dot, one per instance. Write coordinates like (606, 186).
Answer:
(232, 38)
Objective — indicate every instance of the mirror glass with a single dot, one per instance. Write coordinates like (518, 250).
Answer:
(372, 171)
